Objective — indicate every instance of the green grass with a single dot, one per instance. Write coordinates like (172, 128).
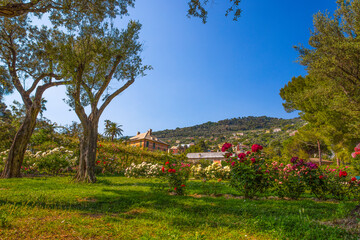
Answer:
(122, 208)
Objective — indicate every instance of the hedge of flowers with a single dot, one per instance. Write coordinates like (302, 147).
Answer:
(52, 161)
(115, 158)
(251, 175)
(143, 169)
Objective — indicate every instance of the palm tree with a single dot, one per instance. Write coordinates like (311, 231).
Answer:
(112, 129)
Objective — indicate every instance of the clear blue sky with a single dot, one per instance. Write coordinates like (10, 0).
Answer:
(207, 72)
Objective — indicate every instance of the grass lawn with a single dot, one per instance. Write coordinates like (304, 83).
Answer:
(122, 208)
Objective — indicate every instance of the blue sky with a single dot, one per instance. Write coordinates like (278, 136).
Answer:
(207, 72)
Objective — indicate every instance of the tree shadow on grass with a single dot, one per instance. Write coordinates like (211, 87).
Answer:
(191, 214)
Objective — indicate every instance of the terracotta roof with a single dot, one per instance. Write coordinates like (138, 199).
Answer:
(147, 136)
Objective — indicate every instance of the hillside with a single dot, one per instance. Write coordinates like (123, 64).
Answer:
(237, 129)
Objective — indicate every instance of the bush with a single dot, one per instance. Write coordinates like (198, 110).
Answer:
(143, 169)
(288, 180)
(248, 171)
(51, 161)
(213, 171)
(176, 173)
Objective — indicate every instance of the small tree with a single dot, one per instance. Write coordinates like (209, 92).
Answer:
(112, 129)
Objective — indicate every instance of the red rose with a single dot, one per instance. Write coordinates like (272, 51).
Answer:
(227, 155)
(174, 171)
(256, 148)
(175, 189)
(342, 174)
(321, 176)
(226, 146)
(163, 169)
(353, 179)
(242, 155)
(248, 153)
(170, 170)
(166, 163)
(182, 185)
(253, 160)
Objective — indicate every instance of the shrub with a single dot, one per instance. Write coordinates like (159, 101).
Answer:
(288, 180)
(176, 173)
(248, 171)
(51, 161)
(213, 171)
(143, 169)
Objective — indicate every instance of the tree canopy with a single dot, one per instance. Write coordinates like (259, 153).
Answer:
(329, 96)
(67, 10)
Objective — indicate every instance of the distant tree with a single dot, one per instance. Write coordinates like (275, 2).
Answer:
(112, 130)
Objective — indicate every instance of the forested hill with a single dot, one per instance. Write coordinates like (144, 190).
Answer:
(230, 126)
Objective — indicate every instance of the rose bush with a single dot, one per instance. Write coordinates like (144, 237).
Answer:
(248, 173)
(213, 171)
(52, 161)
(176, 173)
(143, 169)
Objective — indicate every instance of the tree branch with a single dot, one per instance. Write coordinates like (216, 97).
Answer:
(41, 77)
(17, 9)
(108, 78)
(112, 96)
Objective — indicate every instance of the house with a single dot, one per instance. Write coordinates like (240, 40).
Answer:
(179, 148)
(293, 133)
(148, 141)
(323, 162)
(277, 130)
(212, 156)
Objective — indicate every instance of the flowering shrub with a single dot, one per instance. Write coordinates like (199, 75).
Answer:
(143, 169)
(338, 184)
(288, 181)
(213, 171)
(114, 158)
(177, 173)
(51, 161)
(248, 172)
(198, 171)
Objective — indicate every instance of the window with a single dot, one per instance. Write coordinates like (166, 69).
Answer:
(140, 144)
(153, 145)
(147, 144)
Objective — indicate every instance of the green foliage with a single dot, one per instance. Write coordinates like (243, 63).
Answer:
(248, 173)
(176, 173)
(112, 130)
(118, 156)
(328, 97)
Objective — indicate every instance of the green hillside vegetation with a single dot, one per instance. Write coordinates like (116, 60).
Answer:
(244, 130)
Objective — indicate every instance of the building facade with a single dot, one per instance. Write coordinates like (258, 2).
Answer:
(148, 141)
(211, 156)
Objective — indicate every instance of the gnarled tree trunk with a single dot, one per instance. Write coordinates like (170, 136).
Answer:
(88, 146)
(19, 145)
